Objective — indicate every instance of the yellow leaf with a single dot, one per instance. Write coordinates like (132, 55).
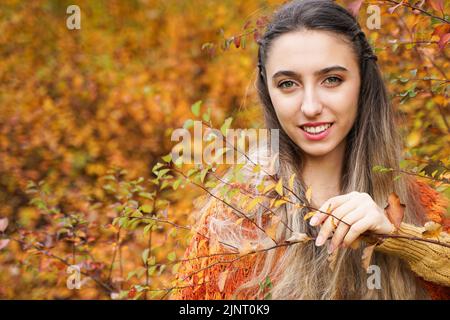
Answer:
(356, 244)
(291, 181)
(279, 187)
(279, 203)
(269, 187)
(333, 223)
(299, 205)
(309, 215)
(239, 221)
(414, 139)
(432, 230)
(246, 248)
(299, 237)
(253, 203)
(309, 194)
(271, 231)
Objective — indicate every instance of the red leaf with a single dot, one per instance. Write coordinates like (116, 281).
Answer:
(441, 29)
(237, 41)
(395, 210)
(443, 41)
(132, 293)
(437, 5)
(354, 7)
(256, 36)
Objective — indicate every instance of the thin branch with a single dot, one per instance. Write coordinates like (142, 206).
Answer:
(100, 283)
(223, 201)
(406, 4)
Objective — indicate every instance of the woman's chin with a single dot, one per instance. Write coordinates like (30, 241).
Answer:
(316, 151)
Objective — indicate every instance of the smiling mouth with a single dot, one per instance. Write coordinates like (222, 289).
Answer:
(316, 130)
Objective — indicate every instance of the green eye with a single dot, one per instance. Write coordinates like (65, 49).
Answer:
(335, 80)
(286, 84)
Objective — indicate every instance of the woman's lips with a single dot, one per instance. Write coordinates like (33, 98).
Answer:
(316, 137)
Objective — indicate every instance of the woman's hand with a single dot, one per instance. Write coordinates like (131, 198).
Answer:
(358, 213)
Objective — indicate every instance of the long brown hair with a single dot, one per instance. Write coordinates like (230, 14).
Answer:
(302, 270)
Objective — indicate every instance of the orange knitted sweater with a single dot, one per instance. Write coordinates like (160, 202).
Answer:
(207, 272)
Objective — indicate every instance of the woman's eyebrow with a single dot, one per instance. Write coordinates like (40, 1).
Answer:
(293, 74)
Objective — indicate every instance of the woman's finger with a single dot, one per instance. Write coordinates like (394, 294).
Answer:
(356, 230)
(324, 232)
(327, 228)
(329, 206)
(343, 226)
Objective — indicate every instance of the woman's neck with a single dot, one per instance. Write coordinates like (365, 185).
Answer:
(323, 174)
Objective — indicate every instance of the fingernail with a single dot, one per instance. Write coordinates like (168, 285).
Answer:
(313, 221)
(330, 248)
(320, 241)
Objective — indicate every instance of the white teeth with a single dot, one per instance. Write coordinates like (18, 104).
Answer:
(318, 129)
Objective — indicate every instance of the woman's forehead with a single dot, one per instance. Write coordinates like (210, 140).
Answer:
(309, 50)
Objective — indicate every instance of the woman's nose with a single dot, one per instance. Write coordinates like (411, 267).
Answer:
(311, 105)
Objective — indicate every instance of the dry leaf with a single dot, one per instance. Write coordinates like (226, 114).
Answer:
(309, 194)
(246, 248)
(309, 215)
(299, 237)
(222, 279)
(332, 258)
(395, 210)
(367, 256)
(271, 231)
(355, 244)
(432, 230)
(3, 224)
(333, 223)
(354, 7)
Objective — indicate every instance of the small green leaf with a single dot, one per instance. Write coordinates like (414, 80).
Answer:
(207, 116)
(146, 208)
(225, 126)
(203, 174)
(145, 255)
(189, 123)
(195, 108)
(171, 256)
(167, 158)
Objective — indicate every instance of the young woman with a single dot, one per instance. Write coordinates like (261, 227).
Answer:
(319, 83)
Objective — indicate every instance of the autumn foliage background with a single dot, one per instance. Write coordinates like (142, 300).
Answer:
(85, 115)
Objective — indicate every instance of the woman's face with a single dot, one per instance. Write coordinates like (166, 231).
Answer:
(313, 77)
